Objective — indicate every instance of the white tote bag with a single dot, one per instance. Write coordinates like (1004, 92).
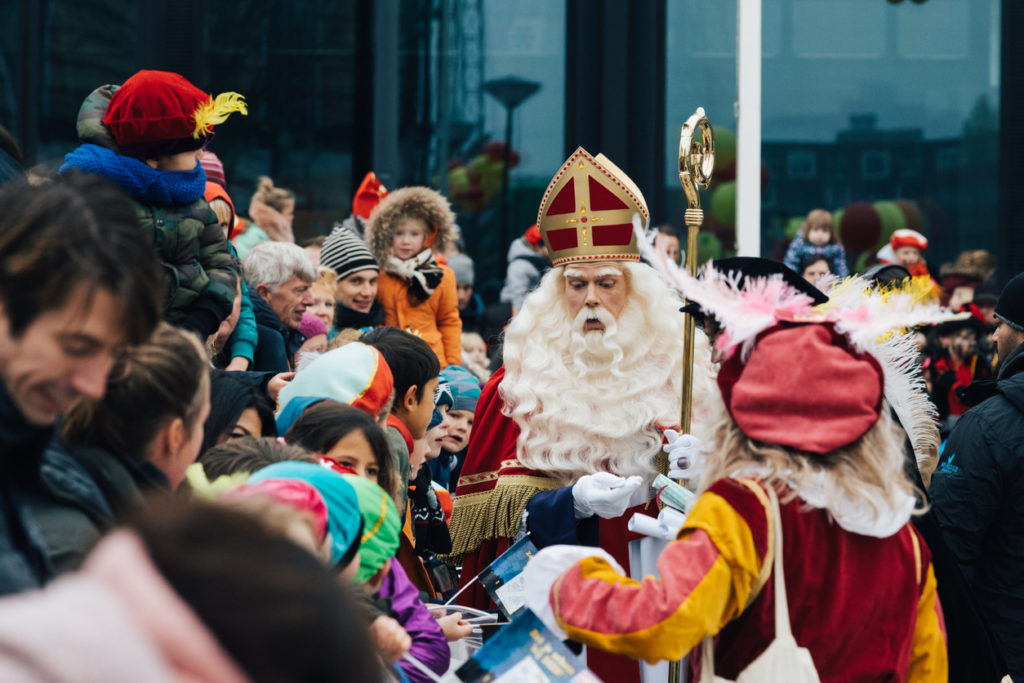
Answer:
(783, 661)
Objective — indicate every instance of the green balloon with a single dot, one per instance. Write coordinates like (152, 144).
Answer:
(725, 146)
(892, 220)
(793, 227)
(723, 204)
(458, 180)
(708, 247)
(837, 216)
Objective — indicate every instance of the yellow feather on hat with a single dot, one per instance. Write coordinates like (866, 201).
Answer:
(216, 110)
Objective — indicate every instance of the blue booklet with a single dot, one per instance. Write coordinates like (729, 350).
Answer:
(525, 650)
(503, 578)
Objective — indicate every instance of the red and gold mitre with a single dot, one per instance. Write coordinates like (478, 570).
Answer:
(587, 212)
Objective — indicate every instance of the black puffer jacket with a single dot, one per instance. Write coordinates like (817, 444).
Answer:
(977, 495)
(88, 491)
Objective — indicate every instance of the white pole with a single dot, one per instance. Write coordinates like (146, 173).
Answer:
(748, 136)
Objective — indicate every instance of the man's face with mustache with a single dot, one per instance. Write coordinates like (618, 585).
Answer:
(592, 286)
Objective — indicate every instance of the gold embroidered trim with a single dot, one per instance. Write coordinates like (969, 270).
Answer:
(480, 477)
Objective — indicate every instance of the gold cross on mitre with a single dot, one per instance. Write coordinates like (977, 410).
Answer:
(587, 211)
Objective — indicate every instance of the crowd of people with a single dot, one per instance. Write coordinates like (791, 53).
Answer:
(227, 456)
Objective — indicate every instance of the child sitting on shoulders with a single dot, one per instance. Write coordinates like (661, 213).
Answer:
(817, 237)
(147, 136)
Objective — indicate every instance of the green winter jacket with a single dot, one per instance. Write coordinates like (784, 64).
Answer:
(200, 272)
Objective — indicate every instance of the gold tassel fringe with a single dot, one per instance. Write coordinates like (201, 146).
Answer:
(492, 514)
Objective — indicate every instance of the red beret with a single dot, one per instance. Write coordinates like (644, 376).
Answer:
(159, 106)
(153, 106)
(804, 387)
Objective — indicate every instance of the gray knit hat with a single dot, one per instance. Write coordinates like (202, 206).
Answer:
(462, 265)
(344, 253)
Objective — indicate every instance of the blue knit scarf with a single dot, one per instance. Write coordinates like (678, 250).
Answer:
(148, 185)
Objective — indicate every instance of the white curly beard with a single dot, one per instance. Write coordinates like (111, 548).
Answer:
(593, 401)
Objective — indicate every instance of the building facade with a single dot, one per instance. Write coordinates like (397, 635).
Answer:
(902, 103)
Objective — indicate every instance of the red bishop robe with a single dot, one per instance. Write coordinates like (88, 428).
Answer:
(493, 491)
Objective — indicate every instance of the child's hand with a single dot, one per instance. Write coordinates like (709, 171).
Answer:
(277, 383)
(392, 640)
(454, 627)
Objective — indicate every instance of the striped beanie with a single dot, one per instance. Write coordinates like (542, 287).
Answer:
(214, 168)
(344, 253)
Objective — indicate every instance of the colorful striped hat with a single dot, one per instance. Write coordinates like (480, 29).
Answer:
(381, 526)
(355, 374)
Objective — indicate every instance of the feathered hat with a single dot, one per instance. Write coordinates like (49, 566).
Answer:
(813, 377)
(160, 106)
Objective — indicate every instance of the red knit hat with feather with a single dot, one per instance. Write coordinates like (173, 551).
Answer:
(161, 107)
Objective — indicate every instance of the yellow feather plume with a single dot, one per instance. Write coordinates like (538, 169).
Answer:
(217, 110)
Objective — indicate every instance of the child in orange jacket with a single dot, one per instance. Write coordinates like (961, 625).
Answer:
(417, 293)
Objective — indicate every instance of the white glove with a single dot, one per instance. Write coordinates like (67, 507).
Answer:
(543, 570)
(603, 494)
(686, 455)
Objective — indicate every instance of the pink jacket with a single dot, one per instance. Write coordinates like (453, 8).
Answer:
(117, 620)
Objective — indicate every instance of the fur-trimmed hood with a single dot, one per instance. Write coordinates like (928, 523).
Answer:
(418, 202)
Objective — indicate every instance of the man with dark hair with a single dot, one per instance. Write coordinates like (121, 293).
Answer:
(78, 281)
(976, 490)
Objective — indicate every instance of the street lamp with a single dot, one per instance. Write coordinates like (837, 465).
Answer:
(511, 91)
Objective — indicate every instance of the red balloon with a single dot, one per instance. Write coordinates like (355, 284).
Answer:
(725, 173)
(495, 150)
(860, 227)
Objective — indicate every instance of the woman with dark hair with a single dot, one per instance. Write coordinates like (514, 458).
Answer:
(349, 437)
(139, 438)
(237, 409)
(814, 267)
(198, 592)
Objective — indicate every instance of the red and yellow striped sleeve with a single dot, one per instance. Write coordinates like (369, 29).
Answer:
(707, 575)
(928, 659)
